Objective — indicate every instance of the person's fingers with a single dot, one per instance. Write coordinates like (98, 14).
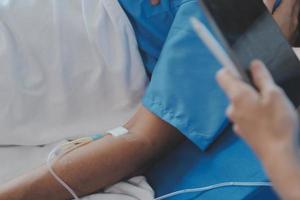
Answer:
(235, 89)
(237, 129)
(270, 4)
(230, 112)
(236, 114)
(155, 2)
(228, 81)
(261, 76)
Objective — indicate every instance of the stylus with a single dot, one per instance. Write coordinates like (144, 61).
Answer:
(212, 44)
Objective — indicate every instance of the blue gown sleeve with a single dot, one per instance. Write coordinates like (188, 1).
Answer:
(183, 90)
(151, 25)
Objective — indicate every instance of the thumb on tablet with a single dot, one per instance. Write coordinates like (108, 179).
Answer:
(262, 78)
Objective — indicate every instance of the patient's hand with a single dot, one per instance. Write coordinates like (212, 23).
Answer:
(287, 16)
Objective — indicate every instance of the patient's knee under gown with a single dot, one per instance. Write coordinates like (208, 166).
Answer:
(68, 69)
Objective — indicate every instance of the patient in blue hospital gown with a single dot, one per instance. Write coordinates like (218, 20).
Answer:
(62, 77)
(62, 89)
(54, 88)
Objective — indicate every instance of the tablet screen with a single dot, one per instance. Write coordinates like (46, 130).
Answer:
(248, 31)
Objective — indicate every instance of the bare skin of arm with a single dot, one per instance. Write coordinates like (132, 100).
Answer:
(269, 123)
(101, 163)
(287, 17)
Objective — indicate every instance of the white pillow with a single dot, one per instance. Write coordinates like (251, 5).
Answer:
(68, 68)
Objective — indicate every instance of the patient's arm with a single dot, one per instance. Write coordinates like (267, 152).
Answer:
(100, 163)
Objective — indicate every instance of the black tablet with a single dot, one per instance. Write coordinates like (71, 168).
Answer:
(248, 31)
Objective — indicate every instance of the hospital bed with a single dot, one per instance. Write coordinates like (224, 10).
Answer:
(228, 159)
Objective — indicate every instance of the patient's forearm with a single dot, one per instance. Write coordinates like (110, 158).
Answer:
(100, 163)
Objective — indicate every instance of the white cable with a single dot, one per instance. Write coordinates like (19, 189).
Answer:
(117, 132)
(216, 186)
(51, 156)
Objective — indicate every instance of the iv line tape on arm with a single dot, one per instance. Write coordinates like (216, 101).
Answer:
(60, 150)
(117, 132)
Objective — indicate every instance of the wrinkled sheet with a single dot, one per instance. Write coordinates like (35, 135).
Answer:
(68, 69)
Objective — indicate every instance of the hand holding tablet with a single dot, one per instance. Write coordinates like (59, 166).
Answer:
(251, 35)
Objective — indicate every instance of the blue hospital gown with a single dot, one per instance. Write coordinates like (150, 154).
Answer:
(184, 93)
(183, 90)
